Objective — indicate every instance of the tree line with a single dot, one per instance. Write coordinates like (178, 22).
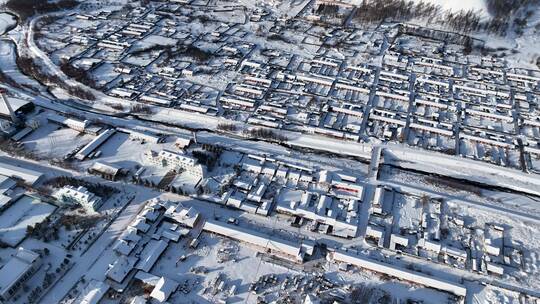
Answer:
(505, 13)
(27, 8)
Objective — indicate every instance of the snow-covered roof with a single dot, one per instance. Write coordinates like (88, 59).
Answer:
(404, 274)
(121, 267)
(105, 168)
(254, 238)
(96, 142)
(147, 278)
(138, 300)
(16, 267)
(92, 293)
(150, 254)
(4, 201)
(15, 103)
(164, 288)
(140, 224)
(184, 159)
(31, 177)
(182, 142)
(70, 122)
(183, 215)
(79, 193)
(6, 183)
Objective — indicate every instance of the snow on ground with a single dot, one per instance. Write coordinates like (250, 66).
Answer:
(453, 5)
(50, 262)
(9, 68)
(26, 211)
(244, 270)
(7, 21)
(521, 234)
(53, 141)
(527, 44)
(463, 168)
(94, 262)
(459, 190)
(120, 150)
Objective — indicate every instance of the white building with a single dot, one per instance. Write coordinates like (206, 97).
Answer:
(16, 271)
(183, 215)
(261, 242)
(94, 144)
(323, 210)
(176, 161)
(80, 195)
(71, 123)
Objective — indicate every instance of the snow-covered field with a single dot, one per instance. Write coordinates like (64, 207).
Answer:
(25, 212)
(53, 141)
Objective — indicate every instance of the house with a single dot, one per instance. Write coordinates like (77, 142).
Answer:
(127, 241)
(150, 254)
(253, 164)
(183, 215)
(92, 293)
(143, 136)
(375, 233)
(494, 268)
(182, 142)
(164, 288)
(121, 268)
(16, 271)
(171, 231)
(107, 171)
(140, 224)
(429, 245)
(80, 196)
(397, 241)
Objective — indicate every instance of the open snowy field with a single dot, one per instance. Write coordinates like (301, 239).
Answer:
(54, 141)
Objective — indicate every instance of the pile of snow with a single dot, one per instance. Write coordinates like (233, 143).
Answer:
(7, 21)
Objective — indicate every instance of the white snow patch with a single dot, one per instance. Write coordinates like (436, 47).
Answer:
(6, 21)
(478, 6)
(456, 6)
